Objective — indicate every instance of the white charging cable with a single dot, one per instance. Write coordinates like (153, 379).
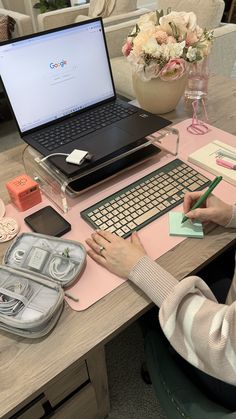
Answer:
(75, 157)
(18, 256)
(14, 296)
(53, 155)
(61, 268)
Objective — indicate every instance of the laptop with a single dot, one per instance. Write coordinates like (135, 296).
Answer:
(61, 91)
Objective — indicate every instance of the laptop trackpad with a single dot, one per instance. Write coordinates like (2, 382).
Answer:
(107, 142)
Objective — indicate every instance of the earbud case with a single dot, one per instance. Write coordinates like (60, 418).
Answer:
(36, 269)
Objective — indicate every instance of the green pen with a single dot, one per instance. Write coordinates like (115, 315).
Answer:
(202, 198)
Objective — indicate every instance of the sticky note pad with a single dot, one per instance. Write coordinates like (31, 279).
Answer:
(187, 229)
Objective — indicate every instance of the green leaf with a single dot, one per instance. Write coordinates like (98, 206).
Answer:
(175, 30)
(137, 30)
(159, 14)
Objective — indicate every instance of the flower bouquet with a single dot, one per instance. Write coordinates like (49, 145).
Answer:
(162, 47)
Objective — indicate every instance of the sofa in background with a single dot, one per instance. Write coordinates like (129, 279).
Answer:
(23, 24)
(103, 8)
(57, 18)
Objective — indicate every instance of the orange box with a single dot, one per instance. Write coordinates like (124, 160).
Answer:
(24, 192)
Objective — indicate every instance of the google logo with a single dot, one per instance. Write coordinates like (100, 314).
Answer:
(58, 65)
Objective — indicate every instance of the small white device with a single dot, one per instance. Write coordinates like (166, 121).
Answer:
(77, 156)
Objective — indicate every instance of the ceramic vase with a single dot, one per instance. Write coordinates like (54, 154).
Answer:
(158, 96)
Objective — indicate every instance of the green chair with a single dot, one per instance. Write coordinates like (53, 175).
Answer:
(178, 395)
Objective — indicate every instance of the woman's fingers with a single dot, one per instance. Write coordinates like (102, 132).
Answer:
(115, 253)
(97, 257)
(109, 237)
(189, 199)
(97, 244)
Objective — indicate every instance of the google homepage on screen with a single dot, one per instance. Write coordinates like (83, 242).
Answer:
(55, 74)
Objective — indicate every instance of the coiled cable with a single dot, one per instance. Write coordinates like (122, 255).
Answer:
(14, 296)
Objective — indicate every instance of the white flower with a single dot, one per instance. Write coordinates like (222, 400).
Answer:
(190, 20)
(150, 72)
(192, 54)
(151, 47)
(165, 52)
(180, 19)
(148, 17)
(176, 50)
(147, 26)
(133, 58)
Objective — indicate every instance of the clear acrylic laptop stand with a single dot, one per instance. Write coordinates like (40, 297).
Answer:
(60, 189)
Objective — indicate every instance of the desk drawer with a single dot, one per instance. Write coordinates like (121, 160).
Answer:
(66, 382)
(82, 405)
(35, 411)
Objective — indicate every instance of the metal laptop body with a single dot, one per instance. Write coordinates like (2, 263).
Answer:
(61, 91)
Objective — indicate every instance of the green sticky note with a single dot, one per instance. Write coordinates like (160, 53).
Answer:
(187, 229)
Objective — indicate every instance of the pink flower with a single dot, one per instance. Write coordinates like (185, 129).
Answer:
(173, 70)
(161, 37)
(191, 38)
(171, 40)
(127, 48)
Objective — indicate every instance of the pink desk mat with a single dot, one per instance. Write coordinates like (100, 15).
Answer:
(96, 282)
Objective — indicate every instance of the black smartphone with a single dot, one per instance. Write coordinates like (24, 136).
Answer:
(48, 221)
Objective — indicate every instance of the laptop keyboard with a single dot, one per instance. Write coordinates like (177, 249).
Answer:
(86, 123)
(143, 201)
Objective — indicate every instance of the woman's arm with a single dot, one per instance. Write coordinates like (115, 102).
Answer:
(200, 329)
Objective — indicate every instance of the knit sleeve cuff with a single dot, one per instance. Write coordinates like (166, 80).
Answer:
(232, 221)
(155, 281)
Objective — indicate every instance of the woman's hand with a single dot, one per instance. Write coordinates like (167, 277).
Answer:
(114, 253)
(213, 209)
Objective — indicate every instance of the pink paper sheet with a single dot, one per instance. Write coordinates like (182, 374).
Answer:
(96, 282)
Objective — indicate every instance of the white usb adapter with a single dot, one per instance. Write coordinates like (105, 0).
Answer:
(77, 156)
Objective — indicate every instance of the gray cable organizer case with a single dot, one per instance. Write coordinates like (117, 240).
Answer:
(36, 268)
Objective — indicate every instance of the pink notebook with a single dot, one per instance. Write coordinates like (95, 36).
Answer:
(96, 282)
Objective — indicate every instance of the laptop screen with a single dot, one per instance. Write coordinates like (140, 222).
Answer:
(54, 74)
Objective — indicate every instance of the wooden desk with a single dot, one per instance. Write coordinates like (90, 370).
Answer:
(70, 360)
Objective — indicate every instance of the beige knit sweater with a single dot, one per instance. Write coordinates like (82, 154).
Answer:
(197, 326)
